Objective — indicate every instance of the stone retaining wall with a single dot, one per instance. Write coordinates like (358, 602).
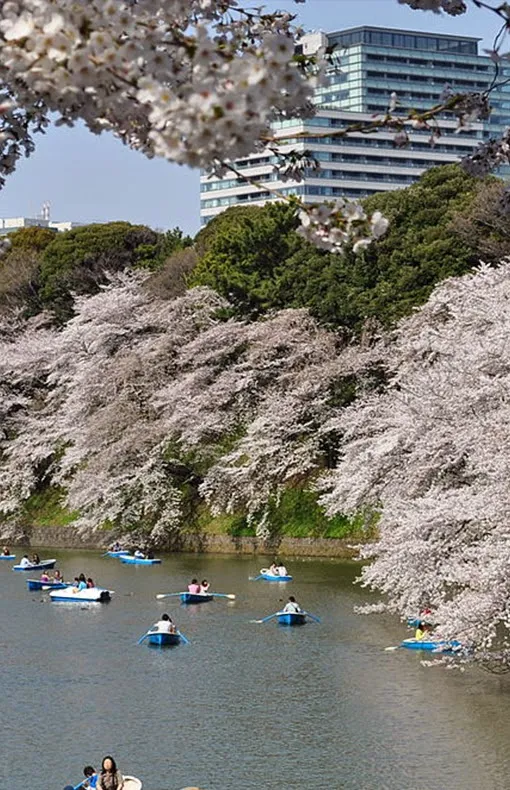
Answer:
(67, 538)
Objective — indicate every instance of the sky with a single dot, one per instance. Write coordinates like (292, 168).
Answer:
(88, 178)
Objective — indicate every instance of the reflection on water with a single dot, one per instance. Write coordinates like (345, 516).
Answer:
(244, 706)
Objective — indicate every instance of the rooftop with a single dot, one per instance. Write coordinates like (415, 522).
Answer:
(404, 39)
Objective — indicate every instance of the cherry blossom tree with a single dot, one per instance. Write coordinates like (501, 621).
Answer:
(431, 455)
(138, 395)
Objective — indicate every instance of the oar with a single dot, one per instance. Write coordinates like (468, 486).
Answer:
(149, 633)
(255, 578)
(389, 649)
(168, 595)
(230, 596)
(186, 641)
(265, 619)
(312, 616)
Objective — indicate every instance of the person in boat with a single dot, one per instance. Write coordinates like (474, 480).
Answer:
(116, 546)
(90, 774)
(45, 577)
(6, 552)
(90, 583)
(57, 577)
(281, 570)
(25, 562)
(422, 632)
(194, 587)
(110, 778)
(204, 586)
(82, 582)
(292, 606)
(165, 625)
(36, 560)
(273, 569)
(139, 554)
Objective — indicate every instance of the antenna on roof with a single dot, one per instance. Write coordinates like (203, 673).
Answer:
(45, 212)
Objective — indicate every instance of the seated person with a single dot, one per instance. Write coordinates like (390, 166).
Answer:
(139, 554)
(90, 583)
(194, 587)
(44, 577)
(116, 547)
(273, 569)
(204, 586)
(90, 775)
(282, 570)
(165, 625)
(423, 631)
(57, 577)
(6, 552)
(292, 606)
(36, 559)
(25, 562)
(80, 583)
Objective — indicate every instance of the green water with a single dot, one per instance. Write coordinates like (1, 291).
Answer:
(244, 706)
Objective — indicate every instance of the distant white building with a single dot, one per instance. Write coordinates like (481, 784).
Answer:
(11, 224)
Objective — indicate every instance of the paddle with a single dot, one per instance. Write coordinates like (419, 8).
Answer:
(255, 578)
(186, 641)
(230, 596)
(149, 633)
(265, 619)
(312, 616)
(168, 595)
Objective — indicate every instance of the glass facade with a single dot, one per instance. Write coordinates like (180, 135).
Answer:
(368, 65)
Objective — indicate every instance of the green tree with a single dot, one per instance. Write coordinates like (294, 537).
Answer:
(34, 238)
(80, 260)
(241, 252)
(253, 257)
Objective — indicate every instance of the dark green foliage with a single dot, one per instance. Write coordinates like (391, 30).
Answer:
(35, 238)
(79, 261)
(252, 256)
(241, 252)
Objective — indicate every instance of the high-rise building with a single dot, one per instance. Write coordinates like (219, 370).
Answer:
(370, 64)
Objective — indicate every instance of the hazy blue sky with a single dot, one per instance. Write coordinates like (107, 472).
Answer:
(89, 178)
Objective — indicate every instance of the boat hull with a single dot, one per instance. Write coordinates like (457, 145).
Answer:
(45, 565)
(187, 597)
(164, 639)
(90, 595)
(129, 560)
(291, 618)
(430, 645)
(117, 553)
(37, 584)
(8, 557)
(270, 577)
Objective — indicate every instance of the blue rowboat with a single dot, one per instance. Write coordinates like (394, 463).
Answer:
(164, 639)
(128, 559)
(123, 553)
(187, 597)
(291, 618)
(45, 565)
(271, 577)
(431, 645)
(9, 557)
(37, 584)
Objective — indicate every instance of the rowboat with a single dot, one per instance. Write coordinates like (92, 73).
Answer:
(9, 557)
(128, 559)
(272, 577)
(122, 553)
(130, 783)
(291, 618)
(45, 565)
(431, 645)
(90, 595)
(187, 597)
(37, 584)
(163, 639)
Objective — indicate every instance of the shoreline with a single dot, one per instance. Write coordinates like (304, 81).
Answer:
(65, 538)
